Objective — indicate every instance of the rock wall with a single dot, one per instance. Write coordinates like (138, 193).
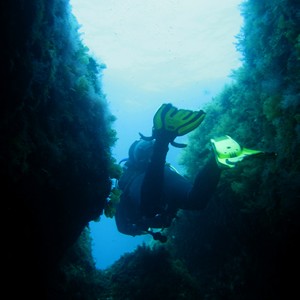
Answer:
(55, 138)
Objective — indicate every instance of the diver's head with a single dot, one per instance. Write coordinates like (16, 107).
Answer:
(140, 153)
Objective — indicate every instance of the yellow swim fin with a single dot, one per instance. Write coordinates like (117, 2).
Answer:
(228, 152)
(179, 121)
(170, 122)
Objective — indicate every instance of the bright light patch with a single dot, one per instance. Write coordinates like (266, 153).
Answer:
(159, 44)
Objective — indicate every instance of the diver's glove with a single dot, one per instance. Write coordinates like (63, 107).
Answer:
(170, 122)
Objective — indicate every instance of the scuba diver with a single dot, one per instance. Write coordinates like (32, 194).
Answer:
(152, 190)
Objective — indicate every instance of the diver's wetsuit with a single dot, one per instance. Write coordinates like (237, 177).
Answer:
(152, 198)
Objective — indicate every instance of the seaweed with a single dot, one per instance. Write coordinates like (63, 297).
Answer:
(57, 135)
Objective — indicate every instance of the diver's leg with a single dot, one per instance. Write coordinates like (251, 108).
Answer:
(204, 185)
(152, 186)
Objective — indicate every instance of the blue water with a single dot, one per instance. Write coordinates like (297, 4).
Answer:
(109, 245)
